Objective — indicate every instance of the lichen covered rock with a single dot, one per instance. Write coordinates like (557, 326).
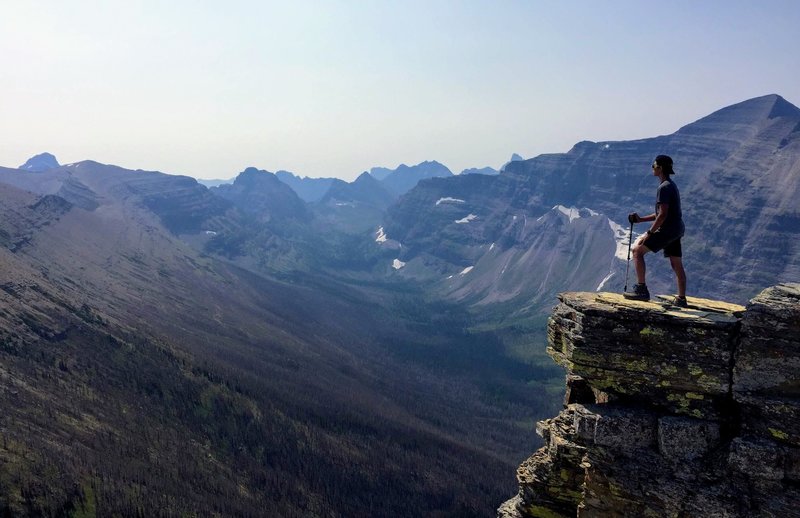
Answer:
(766, 376)
(677, 359)
(670, 412)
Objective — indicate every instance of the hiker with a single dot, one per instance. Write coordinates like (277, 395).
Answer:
(665, 233)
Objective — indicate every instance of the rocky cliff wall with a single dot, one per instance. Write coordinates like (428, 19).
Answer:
(670, 412)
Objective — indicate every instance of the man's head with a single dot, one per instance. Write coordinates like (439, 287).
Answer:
(663, 164)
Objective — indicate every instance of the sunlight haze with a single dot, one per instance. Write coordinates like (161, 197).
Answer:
(333, 88)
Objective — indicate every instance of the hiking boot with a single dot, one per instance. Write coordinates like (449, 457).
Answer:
(679, 302)
(639, 292)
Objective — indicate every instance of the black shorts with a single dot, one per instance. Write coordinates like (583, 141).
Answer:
(670, 243)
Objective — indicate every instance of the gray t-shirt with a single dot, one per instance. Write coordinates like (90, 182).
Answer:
(668, 193)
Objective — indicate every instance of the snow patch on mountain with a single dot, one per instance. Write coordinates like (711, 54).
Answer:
(448, 200)
(466, 270)
(571, 212)
(467, 219)
(621, 237)
(397, 264)
(604, 281)
(574, 213)
(385, 241)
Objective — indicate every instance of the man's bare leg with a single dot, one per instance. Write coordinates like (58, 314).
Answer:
(638, 261)
(680, 274)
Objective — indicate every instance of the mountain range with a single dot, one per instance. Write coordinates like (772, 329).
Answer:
(150, 367)
(312, 190)
(559, 221)
(396, 181)
(244, 349)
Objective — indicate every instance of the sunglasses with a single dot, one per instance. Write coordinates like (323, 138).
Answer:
(656, 165)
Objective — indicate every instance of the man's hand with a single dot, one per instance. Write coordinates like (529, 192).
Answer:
(633, 217)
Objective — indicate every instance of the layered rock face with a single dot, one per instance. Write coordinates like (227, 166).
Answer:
(670, 412)
(738, 171)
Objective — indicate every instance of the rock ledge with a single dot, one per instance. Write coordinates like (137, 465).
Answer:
(670, 412)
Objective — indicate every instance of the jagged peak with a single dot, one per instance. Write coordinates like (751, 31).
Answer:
(425, 165)
(783, 108)
(365, 177)
(431, 162)
(751, 111)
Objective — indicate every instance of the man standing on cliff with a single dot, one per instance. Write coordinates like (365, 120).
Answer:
(665, 233)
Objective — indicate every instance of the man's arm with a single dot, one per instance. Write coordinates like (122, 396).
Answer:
(634, 217)
(663, 210)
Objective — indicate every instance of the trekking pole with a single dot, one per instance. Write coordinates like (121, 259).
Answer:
(628, 264)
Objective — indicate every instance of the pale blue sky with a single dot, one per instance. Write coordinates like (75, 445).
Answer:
(333, 88)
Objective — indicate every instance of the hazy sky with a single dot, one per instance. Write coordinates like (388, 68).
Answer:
(333, 88)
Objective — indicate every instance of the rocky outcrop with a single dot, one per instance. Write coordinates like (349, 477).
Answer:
(670, 412)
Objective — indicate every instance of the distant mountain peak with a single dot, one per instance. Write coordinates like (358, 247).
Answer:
(40, 162)
(783, 108)
(514, 158)
(365, 177)
(309, 189)
(431, 162)
(404, 178)
(379, 173)
(261, 193)
(751, 111)
(253, 170)
(365, 192)
(773, 105)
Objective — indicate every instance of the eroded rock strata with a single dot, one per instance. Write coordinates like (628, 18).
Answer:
(670, 412)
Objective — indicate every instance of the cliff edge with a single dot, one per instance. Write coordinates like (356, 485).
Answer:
(670, 412)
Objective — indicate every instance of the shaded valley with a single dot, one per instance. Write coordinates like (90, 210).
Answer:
(143, 377)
